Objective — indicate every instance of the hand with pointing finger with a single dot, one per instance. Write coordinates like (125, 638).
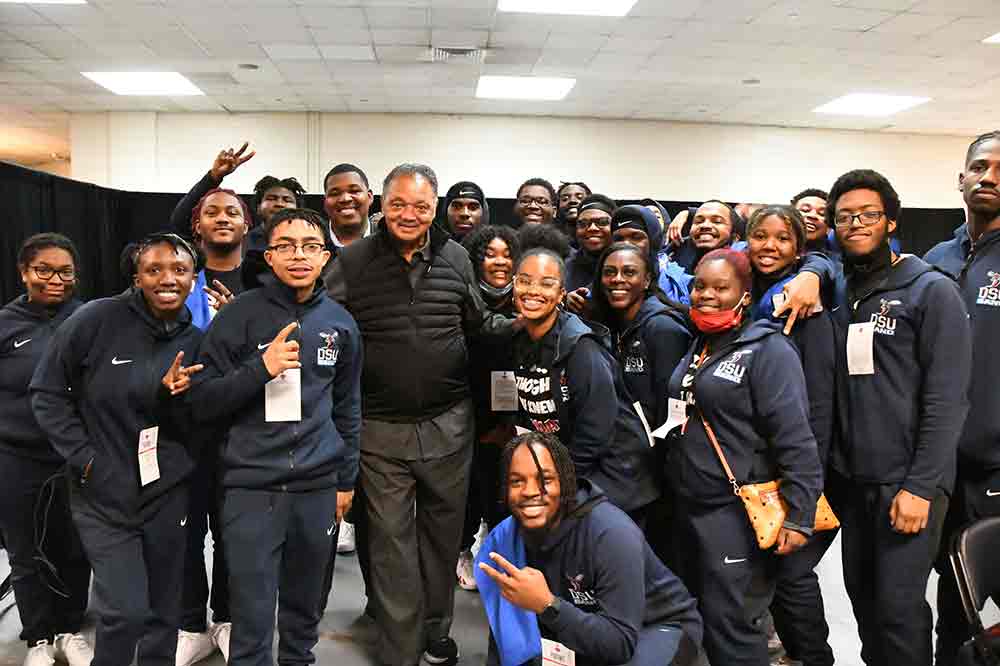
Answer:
(282, 354)
(219, 296)
(178, 378)
(525, 588)
(801, 298)
(228, 161)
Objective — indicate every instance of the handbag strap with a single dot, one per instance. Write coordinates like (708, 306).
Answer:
(713, 439)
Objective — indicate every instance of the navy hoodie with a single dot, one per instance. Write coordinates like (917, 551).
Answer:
(25, 331)
(610, 583)
(902, 424)
(753, 393)
(569, 385)
(671, 278)
(977, 270)
(648, 350)
(100, 382)
(321, 450)
(580, 269)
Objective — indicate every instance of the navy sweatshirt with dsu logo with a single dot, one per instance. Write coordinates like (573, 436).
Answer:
(977, 269)
(902, 423)
(320, 450)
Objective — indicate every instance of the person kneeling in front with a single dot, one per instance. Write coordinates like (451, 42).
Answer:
(570, 558)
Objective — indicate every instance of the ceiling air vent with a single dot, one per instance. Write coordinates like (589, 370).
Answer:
(459, 56)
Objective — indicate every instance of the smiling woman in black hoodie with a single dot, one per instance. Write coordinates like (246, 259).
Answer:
(30, 467)
(569, 385)
(108, 394)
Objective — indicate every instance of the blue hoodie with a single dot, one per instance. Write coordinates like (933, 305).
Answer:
(902, 423)
(978, 274)
(99, 384)
(753, 393)
(321, 450)
(671, 277)
(569, 385)
(25, 331)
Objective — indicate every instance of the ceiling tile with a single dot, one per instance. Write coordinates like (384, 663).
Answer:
(402, 37)
(403, 54)
(681, 9)
(389, 17)
(573, 41)
(447, 37)
(14, 15)
(513, 56)
(566, 58)
(351, 36)
(291, 51)
(334, 18)
(479, 19)
(956, 8)
(73, 14)
(634, 46)
(913, 24)
(20, 50)
(347, 51)
(517, 39)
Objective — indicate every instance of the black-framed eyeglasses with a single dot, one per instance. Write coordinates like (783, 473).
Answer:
(601, 222)
(46, 273)
(289, 249)
(867, 218)
(538, 201)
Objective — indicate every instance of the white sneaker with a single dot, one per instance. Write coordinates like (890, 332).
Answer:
(346, 542)
(42, 654)
(73, 649)
(192, 647)
(466, 579)
(220, 636)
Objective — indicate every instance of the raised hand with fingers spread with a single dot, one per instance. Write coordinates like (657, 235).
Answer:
(178, 378)
(227, 161)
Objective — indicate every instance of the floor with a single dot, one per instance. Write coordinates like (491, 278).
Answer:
(346, 642)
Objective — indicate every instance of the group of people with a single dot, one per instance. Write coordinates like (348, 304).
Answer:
(597, 383)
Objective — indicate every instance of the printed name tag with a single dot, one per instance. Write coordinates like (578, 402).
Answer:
(283, 397)
(676, 416)
(861, 348)
(503, 391)
(149, 466)
(557, 654)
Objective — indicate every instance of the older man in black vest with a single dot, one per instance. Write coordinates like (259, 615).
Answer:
(414, 295)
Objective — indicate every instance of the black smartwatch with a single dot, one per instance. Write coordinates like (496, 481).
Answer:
(551, 612)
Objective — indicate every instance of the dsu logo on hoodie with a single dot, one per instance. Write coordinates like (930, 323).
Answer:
(634, 363)
(732, 369)
(990, 294)
(327, 354)
(884, 324)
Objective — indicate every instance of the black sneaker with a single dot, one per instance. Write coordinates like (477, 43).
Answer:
(442, 652)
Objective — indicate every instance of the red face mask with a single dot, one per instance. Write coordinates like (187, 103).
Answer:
(717, 322)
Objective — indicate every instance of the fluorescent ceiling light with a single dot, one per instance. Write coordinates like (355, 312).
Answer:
(870, 104)
(572, 7)
(43, 2)
(992, 39)
(144, 83)
(543, 88)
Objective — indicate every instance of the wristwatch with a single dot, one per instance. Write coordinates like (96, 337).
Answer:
(550, 613)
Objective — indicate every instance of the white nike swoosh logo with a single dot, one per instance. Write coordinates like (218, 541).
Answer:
(990, 493)
(729, 561)
(329, 532)
(184, 522)
(115, 361)
(21, 343)
(264, 346)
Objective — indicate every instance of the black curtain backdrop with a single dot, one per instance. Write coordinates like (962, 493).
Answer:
(101, 221)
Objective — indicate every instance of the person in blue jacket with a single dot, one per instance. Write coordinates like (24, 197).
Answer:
(593, 235)
(639, 226)
(745, 381)
(569, 385)
(904, 356)
(973, 258)
(589, 576)
(283, 371)
(30, 468)
(777, 237)
(109, 395)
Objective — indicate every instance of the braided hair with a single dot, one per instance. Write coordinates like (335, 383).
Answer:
(565, 468)
(270, 182)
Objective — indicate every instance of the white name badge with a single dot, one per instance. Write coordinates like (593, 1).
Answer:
(503, 391)
(149, 466)
(645, 424)
(557, 654)
(676, 416)
(283, 397)
(861, 348)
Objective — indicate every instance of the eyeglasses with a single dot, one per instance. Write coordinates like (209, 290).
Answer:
(46, 273)
(523, 282)
(601, 222)
(538, 201)
(289, 249)
(629, 272)
(867, 218)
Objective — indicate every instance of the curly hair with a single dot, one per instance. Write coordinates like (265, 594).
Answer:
(544, 235)
(539, 182)
(863, 179)
(565, 468)
(270, 182)
(480, 237)
(787, 214)
(810, 192)
(307, 215)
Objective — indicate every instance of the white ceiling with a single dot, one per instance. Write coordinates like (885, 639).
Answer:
(668, 59)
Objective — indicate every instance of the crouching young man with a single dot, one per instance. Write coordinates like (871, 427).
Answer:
(570, 558)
